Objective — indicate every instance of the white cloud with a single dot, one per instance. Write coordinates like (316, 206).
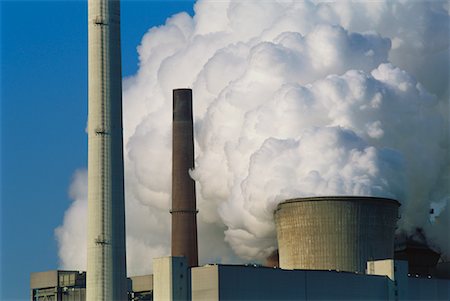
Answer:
(291, 98)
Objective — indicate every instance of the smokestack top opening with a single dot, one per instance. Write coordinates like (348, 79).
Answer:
(182, 105)
(182, 89)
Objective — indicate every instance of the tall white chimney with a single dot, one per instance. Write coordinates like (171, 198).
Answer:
(106, 266)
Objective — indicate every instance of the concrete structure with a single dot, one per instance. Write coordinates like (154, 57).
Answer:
(171, 278)
(335, 233)
(229, 282)
(396, 271)
(106, 266)
(141, 288)
(71, 286)
(226, 282)
(184, 210)
(58, 286)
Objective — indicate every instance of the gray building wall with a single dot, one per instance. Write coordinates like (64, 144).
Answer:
(237, 282)
(428, 289)
(228, 282)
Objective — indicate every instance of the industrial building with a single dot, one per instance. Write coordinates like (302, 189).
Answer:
(71, 286)
(386, 280)
(330, 248)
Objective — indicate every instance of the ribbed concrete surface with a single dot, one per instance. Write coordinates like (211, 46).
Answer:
(337, 233)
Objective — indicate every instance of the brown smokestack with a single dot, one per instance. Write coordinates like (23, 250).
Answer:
(184, 211)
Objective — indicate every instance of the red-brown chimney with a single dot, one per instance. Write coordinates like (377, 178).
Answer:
(184, 210)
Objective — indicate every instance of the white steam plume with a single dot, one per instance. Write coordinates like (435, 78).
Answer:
(72, 234)
(291, 98)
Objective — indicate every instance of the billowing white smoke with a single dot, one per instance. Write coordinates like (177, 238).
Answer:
(72, 234)
(291, 98)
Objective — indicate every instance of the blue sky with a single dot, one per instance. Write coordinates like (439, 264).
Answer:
(43, 117)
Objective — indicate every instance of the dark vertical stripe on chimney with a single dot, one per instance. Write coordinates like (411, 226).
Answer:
(184, 211)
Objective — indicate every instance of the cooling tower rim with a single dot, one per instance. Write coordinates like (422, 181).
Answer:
(341, 198)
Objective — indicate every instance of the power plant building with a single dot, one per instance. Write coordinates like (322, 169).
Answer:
(365, 220)
(329, 248)
(388, 280)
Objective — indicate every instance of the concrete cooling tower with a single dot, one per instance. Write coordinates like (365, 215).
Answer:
(335, 233)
